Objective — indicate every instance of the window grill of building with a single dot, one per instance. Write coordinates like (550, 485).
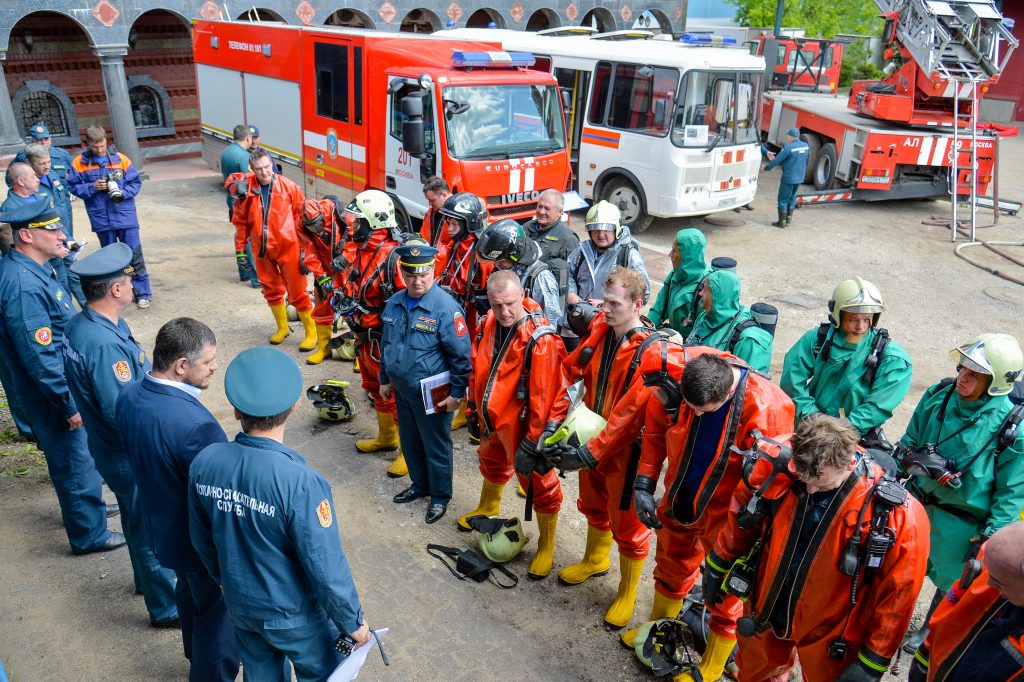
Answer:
(42, 107)
(146, 107)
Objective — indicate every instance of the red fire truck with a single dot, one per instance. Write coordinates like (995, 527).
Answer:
(801, 64)
(345, 110)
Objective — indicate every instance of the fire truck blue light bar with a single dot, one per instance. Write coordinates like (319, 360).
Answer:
(707, 39)
(464, 60)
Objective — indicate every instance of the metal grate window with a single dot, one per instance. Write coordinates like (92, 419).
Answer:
(146, 108)
(42, 107)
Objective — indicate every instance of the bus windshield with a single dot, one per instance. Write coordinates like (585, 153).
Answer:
(503, 121)
(716, 108)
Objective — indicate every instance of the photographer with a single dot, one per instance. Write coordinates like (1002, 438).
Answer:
(106, 180)
(969, 478)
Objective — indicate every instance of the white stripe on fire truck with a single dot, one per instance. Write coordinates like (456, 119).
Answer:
(346, 150)
(513, 180)
(528, 180)
(939, 153)
(926, 149)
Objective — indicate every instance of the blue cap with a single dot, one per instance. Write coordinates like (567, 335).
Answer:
(416, 257)
(254, 131)
(793, 132)
(111, 262)
(38, 214)
(262, 382)
(39, 132)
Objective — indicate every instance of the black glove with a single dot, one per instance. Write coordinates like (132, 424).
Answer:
(549, 430)
(339, 264)
(529, 460)
(243, 260)
(711, 582)
(643, 501)
(302, 268)
(324, 287)
(569, 458)
(858, 672)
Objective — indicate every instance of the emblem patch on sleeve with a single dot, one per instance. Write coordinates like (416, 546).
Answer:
(323, 512)
(44, 336)
(122, 371)
(460, 324)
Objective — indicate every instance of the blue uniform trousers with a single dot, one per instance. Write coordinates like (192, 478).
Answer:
(14, 401)
(155, 582)
(426, 441)
(74, 478)
(206, 632)
(130, 236)
(267, 646)
(787, 195)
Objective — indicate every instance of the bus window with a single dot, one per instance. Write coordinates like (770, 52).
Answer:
(642, 98)
(331, 64)
(717, 108)
(599, 102)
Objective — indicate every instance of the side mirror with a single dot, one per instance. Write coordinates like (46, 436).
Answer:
(412, 126)
(566, 98)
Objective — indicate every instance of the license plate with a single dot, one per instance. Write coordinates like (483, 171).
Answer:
(874, 180)
(726, 202)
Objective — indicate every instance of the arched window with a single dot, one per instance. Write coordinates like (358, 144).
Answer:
(40, 101)
(151, 107)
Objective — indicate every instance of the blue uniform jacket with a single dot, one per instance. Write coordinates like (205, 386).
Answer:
(35, 310)
(58, 189)
(263, 523)
(60, 161)
(163, 429)
(104, 213)
(427, 340)
(14, 201)
(100, 359)
(794, 159)
(234, 159)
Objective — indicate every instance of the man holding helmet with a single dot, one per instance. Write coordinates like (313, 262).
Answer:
(967, 466)
(327, 249)
(848, 367)
(370, 280)
(506, 244)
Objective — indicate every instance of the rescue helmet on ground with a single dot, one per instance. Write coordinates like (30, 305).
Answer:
(855, 296)
(505, 240)
(501, 540)
(343, 341)
(997, 355)
(371, 210)
(664, 646)
(468, 211)
(605, 216)
(330, 401)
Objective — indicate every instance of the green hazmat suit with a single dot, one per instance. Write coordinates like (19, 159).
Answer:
(836, 386)
(675, 300)
(715, 328)
(992, 493)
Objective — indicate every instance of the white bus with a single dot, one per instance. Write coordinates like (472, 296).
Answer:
(660, 128)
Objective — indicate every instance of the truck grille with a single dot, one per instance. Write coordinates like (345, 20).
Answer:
(511, 209)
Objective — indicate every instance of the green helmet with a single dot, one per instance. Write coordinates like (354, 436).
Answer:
(343, 341)
(604, 216)
(855, 296)
(501, 540)
(330, 401)
(664, 646)
(997, 355)
(579, 427)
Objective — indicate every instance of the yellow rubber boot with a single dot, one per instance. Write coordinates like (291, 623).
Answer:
(387, 435)
(323, 337)
(595, 558)
(490, 503)
(712, 664)
(519, 490)
(621, 611)
(459, 420)
(398, 468)
(355, 365)
(281, 317)
(309, 340)
(664, 607)
(540, 567)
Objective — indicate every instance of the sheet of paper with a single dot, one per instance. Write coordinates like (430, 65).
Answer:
(350, 667)
(426, 385)
(573, 201)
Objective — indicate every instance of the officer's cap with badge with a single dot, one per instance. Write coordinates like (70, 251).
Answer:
(262, 382)
(39, 132)
(416, 256)
(110, 263)
(254, 131)
(35, 215)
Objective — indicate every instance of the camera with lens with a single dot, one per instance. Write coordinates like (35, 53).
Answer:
(929, 462)
(114, 190)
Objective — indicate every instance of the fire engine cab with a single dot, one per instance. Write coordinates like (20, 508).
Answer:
(345, 110)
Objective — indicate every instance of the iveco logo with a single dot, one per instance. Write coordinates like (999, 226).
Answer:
(517, 198)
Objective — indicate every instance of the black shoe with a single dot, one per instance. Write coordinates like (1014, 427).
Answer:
(113, 510)
(435, 511)
(113, 542)
(171, 624)
(407, 495)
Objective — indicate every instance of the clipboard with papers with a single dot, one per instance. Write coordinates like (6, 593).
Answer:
(434, 389)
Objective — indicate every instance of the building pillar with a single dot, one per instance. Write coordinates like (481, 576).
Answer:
(115, 83)
(10, 138)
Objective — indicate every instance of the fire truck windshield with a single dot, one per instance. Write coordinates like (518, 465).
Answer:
(717, 108)
(503, 121)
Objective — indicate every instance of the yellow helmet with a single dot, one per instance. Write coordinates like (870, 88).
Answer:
(330, 401)
(997, 355)
(855, 296)
(501, 540)
(604, 215)
(579, 427)
(377, 208)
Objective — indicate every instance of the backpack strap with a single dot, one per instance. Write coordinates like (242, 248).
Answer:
(874, 359)
(823, 344)
(1009, 429)
(634, 363)
(737, 332)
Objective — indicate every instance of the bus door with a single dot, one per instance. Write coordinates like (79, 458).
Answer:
(577, 83)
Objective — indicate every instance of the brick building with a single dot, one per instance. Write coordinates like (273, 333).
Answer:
(127, 64)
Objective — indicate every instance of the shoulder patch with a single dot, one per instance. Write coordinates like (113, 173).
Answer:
(323, 513)
(122, 371)
(44, 336)
(460, 324)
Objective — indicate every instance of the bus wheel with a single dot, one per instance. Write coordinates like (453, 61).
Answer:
(627, 198)
(825, 167)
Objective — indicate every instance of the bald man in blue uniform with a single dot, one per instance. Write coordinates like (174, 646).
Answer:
(425, 334)
(263, 523)
(101, 357)
(34, 310)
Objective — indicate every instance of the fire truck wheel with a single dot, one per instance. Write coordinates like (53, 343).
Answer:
(402, 216)
(813, 143)
(825, 167)
(625, 195)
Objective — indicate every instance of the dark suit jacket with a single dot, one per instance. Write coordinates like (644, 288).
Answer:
(164, 428)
